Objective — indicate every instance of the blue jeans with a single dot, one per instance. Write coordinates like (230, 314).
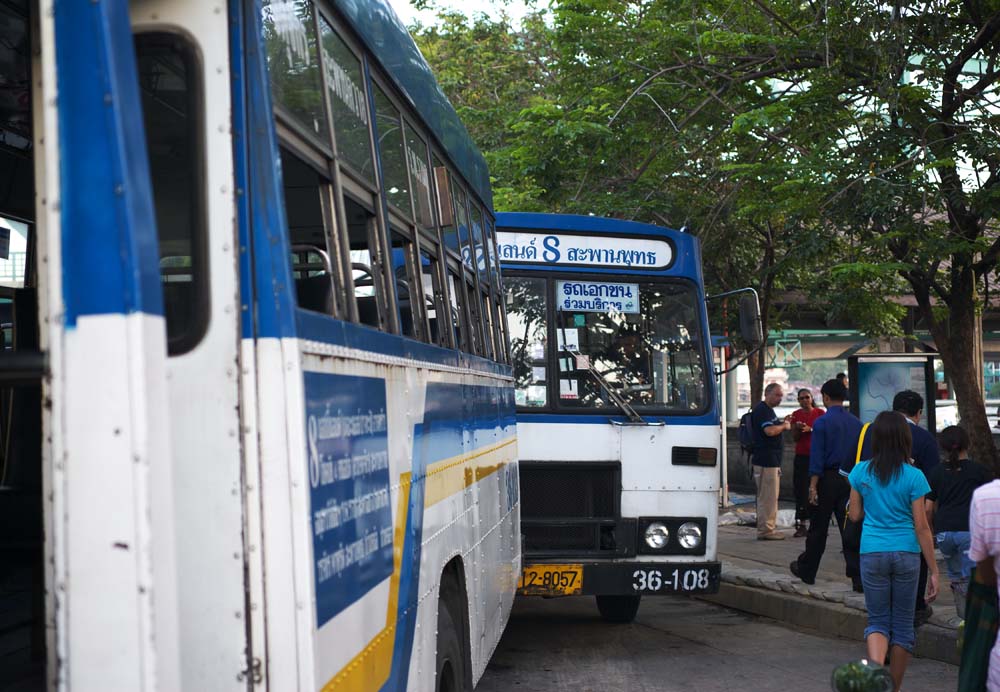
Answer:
(890, 580)
(954, 546)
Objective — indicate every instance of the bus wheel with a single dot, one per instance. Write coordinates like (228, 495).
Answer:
(618, 608)
(450, 659)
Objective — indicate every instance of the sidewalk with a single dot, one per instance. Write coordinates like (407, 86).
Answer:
(755, 579)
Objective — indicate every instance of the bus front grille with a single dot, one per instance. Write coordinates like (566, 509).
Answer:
(573, 509)
(562, 490)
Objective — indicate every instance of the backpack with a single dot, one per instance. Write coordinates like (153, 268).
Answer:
(746, 433)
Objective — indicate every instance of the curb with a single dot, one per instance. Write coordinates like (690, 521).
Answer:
(827, 618)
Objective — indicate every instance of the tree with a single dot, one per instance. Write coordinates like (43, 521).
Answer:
(491, 71)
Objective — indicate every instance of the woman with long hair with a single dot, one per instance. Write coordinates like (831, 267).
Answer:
(887, 493)
(952, 484)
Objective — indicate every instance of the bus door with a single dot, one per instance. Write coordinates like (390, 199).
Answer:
(87, 576)
(184, 75)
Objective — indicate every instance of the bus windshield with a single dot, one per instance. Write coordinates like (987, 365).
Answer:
(644, 339)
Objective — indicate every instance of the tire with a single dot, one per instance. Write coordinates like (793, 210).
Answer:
(620, 609)
(450, 669)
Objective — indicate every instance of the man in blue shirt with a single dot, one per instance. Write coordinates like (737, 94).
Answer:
(834, 440)
(767, 448)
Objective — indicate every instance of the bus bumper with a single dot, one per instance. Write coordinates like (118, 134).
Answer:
(619, 578)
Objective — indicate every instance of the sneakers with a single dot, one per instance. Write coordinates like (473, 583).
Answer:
(773, 536)
(793, 567)
(800, 531)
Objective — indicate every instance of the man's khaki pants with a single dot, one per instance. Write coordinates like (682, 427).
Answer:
(767, 479)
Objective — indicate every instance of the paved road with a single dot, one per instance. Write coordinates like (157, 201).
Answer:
(674, 644)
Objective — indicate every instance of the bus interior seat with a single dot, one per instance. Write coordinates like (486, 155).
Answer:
(178, 303)
(315, 293)
(368, 311)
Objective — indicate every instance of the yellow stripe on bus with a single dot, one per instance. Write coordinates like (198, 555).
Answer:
(450, 476)
(371, 667)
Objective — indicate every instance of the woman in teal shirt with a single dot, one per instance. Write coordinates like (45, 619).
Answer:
(888, 493)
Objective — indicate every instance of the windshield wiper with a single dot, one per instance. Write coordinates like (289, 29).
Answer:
(626, 407)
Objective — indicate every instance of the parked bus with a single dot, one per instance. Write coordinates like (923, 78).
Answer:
(257, 412)
(617, 412)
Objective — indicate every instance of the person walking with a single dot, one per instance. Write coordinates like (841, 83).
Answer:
(834, 439)
(952, 484)
(766, 459)
(802, 422)
(887, 494)
(984, 550)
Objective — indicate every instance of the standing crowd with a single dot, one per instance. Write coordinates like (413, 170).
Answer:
(895, 492)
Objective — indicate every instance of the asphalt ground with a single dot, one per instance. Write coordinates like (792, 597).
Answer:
(675, 643)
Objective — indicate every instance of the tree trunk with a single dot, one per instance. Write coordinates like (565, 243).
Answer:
(956, 343)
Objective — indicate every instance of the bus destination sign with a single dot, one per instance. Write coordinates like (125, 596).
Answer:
(590, 296)
(584, 251)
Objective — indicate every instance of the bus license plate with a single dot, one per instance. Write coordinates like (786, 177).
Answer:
(551, 580)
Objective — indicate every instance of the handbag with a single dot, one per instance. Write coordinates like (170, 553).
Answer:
(851, 535)
(979, 635)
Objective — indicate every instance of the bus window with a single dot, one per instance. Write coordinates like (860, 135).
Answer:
(652, 354)
(347, 102)
(361, 235)
(464, 230)
(168, 78)
(433, 297)
(478, 248)
(312, 269)
(392, 157)
(416, 161)
(491, 245)
(478, 345)
(407, 284)
(458, 301)
(289, 33)
(526, 315)
(446, 209)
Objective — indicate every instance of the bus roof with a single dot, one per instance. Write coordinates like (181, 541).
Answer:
(580, 222)
(387, 38)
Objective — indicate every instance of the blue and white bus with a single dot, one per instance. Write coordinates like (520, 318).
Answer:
(617, 413)
(257, 412)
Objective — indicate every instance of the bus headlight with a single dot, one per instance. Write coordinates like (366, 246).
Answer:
(688, 535)
(657, 536)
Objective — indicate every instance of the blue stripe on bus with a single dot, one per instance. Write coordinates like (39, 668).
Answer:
(385, 36)
(110, 256)
(237, 43)
(274, 297)
(328, 330)
(451, 411)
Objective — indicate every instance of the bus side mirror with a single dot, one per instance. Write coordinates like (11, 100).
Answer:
(750, 320)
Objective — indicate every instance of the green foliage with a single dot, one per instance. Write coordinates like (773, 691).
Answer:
(847, 151)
